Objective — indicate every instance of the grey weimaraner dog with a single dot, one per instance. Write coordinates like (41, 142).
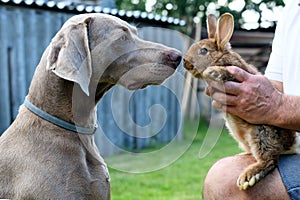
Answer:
(49, 151)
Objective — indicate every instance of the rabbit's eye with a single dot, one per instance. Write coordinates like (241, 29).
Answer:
(203, 51)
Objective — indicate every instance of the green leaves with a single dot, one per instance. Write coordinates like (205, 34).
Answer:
(188, 9)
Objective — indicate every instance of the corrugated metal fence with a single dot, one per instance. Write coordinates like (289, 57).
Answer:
(128, 120)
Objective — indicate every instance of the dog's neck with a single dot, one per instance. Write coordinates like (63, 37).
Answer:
(64, 99)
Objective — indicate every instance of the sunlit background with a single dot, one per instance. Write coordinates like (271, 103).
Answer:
(250, 14)
(130, 123)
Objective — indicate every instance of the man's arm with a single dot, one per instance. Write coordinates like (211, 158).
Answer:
(256, 99)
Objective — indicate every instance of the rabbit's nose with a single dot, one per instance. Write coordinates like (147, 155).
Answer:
(187, 64)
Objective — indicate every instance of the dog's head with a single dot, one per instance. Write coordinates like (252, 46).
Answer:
(93, 49)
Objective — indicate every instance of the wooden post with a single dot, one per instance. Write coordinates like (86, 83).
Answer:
(191, 84)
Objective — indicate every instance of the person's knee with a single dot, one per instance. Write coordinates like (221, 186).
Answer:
(220, 181)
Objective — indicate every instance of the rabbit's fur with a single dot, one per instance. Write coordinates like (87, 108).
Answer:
(207, 59)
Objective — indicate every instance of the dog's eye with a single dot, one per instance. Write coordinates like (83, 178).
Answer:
(124, 38)
(203, 51)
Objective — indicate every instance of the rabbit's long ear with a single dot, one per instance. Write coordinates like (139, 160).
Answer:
(211, 26)
(224, 30)
(69, 55)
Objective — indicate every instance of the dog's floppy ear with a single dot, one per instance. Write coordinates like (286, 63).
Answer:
(225, 28)
(211, 26)
(69, 56)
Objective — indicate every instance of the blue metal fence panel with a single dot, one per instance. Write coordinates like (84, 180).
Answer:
(5, 109)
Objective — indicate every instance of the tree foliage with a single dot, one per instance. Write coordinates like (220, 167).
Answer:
(189, 10)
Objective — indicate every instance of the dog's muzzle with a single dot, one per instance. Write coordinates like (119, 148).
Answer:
(172, 58)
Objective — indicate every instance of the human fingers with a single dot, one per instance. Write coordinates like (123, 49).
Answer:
(214, 85)
(208, 90)
(217, 105)
(224, 98)
(229, 87)
(240, 74)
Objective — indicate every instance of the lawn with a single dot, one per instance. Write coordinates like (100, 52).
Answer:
(181, 180)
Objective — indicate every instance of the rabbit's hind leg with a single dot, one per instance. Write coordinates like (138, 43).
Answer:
(266, 144)
(254, 173)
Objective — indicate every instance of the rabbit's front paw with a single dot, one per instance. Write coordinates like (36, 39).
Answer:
(217, 73)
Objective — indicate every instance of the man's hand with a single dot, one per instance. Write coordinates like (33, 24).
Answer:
(254, 98)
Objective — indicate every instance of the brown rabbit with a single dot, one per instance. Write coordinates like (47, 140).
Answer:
(207, 59)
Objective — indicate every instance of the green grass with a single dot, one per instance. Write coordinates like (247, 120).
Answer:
(181, 180)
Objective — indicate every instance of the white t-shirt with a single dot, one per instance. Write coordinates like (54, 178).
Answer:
(284, 62)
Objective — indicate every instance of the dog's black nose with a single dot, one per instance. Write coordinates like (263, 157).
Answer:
(173, 58)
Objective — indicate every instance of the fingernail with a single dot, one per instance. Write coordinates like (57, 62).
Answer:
(231, 69)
